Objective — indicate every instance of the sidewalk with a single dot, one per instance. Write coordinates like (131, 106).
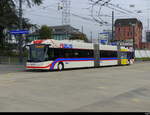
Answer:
(5, 68)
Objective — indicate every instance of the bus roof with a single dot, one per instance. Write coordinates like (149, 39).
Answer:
(74, 44)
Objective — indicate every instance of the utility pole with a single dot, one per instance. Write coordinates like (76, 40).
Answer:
(112, 25)
(82, 29)
(148, 23)
(91, 37)
(148, 20)
(134, 47)
(20, 36)
(133, 37)
(66, 5)
(119, 53)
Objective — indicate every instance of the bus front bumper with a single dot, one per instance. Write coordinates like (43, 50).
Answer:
(38, 65)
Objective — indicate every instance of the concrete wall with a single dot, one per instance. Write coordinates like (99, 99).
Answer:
(142, 53)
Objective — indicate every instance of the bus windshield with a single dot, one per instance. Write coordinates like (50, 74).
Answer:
(37, 53)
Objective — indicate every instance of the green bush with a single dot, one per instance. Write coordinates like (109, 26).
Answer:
(143, 59)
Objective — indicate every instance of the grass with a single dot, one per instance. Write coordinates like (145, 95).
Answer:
(143, 59)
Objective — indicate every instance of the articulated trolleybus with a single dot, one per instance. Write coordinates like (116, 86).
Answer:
(58, 55)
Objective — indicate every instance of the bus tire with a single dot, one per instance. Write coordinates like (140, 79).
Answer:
(60, 67)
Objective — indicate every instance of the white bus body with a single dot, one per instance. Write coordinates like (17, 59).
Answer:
(108, 55)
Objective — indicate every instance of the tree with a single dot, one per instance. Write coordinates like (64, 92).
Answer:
(45, 32)
(9, 16)
(79, 36)
(30, 3)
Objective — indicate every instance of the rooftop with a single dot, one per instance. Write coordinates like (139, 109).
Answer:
(64, 29)
(127, 22)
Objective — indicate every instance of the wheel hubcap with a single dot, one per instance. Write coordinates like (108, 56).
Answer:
(60, 67)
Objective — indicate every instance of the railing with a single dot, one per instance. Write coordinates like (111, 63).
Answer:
(11, 60)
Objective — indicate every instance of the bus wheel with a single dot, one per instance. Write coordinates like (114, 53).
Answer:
(60, 67)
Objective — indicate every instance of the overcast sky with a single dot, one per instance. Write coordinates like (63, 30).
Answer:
(48, 14)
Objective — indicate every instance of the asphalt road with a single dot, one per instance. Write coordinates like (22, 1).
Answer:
(109, 89)
(11, 68)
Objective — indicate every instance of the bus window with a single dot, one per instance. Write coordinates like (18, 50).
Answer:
(75, 53)
(50, 54)
(68, 53)
(59, 53)
(82, 53)
(37, 53)
(108, 54)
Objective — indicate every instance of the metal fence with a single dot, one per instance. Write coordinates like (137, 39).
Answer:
(11, 60)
